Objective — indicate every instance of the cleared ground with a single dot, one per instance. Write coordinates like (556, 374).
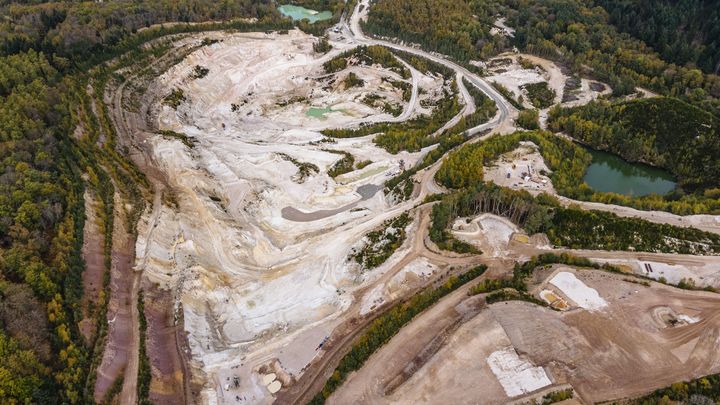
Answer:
(643, 338)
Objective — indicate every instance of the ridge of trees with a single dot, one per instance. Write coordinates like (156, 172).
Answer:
(452, 27)
(411, 135)
(569, 227)
(568, 163)
(367, 55)
(682, 32)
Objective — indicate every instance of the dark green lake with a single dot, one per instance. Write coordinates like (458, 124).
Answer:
(609, 173)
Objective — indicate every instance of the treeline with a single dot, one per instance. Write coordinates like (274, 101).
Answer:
(451, 27)
(401, 186)
(567, 227)
(485, 108)
(41, 224)
(346, 164)
(663, 132)
(705, 389)
(566, 160)
(425, 66)
(382, 329)
(578, 229)
(532, 214)
(682, 32)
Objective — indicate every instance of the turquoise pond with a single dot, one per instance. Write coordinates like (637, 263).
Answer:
(319, 112)
(298, 13)
(609, 173)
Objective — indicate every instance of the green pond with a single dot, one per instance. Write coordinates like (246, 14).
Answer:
(298, 13)
(609, 173)
(318, 112)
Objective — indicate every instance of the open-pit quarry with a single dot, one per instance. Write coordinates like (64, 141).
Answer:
(250, 254)
(256, 248)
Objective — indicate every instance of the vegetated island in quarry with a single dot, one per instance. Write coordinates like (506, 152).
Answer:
(356, 203)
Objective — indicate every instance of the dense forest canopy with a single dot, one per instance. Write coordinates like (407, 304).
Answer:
(685, 31)
(452, 27)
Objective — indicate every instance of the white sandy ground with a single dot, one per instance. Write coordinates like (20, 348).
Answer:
(253, 285)
(584, 296)
(514, 78)
(418, 269)
(672, 273)
(516, 375)
(689, 319)
(490, 233)
(705, 273)
(585, 94)
(372, 299)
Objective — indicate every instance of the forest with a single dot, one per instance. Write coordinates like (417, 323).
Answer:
(580, 36)
(451, 27)
(367, 55)
(568, 161)
(682, 32)
(50, 157)
(681, 392)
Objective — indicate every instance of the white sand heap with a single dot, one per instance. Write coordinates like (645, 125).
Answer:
(274, 386)
(268, 378)
(517, 376)
(688, 318)
(584, 296)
